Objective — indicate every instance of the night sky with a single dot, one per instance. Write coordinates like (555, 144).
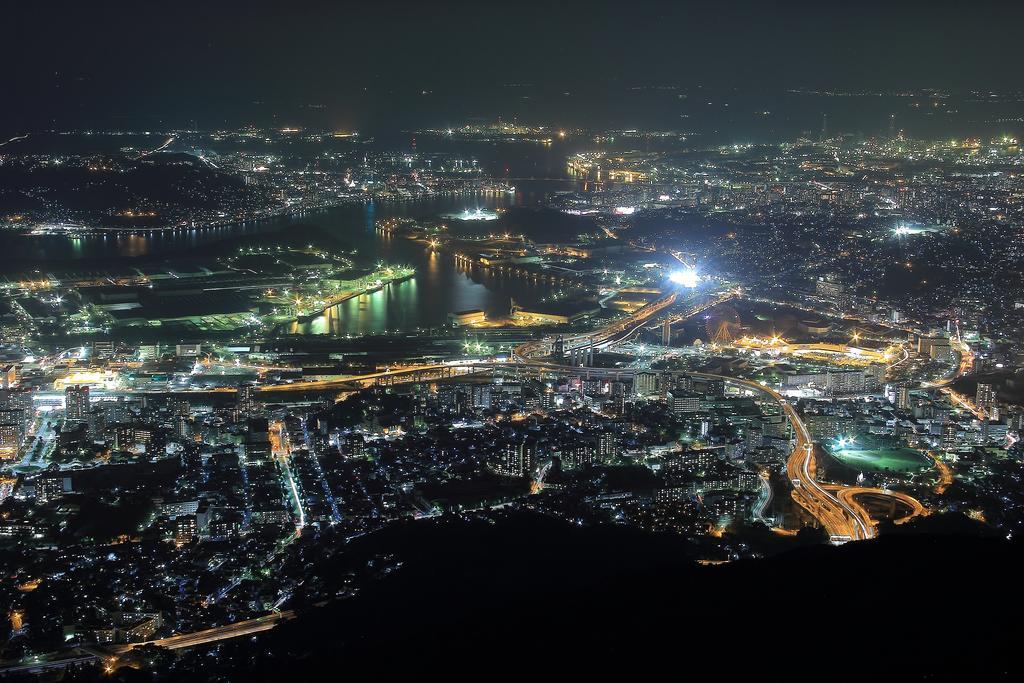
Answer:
(390, 64)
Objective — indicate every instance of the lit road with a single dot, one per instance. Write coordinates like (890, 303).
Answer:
(618, 330)
(842, 520)
(280, 447)
(212, 635)
(945, 385)
(60, 660)
(945, 472)
(167, 143)
(764, 499)
(850, 495)
(14, 139)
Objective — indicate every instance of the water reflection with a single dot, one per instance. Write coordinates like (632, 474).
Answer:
(439, 287)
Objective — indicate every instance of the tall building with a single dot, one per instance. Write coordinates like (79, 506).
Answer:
(518, 459)
(681, 402)
(12, 431)
(185, 529)
(8, 376)
(832, 290)
(481, 396)
(645, 383)
(15, 413)
(257, 440)
(352, 445)
(97, 422)
(985, 397)
(579, 454)
(949, 435)
(16, 399)
(607, 446)
(76, 403)
(182, 427)
(547, 398)
(903, 397)
(246, 399)
(178, 406)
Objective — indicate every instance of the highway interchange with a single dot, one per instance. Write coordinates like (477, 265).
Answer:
(840, 510)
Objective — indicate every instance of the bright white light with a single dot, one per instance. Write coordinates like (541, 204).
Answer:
(686, 278)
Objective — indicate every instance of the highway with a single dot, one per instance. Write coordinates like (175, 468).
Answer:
(599, 337)
(212, 635)
(945, 385)
(764, 499)
(850, 494)
(837, 512)
(945, 472)
(83, 655)
(840, 519)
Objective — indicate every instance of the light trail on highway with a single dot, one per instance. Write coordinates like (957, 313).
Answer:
(212, 635)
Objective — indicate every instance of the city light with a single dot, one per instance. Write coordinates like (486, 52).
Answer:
(258, 370)
(687, 277)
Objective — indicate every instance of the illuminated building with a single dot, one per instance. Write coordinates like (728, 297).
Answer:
(16, 399)
(936, 348)
(352, 445)
(518, 459)
(182, 427)
(469, 317)
(903, 397)
(481, 396)
(185, 529)
(547, 398)
(8, 376)
(246, 399)
(50, 487)
(173, 509)
(12, 431)
(645, 383)
(257, 440)
(985, 397)
(949, 435)
(832, 290)
(578, 455)
(607, 446)
(76, 403)
(681, 402)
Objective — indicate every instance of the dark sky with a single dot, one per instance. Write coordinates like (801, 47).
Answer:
(378, 63)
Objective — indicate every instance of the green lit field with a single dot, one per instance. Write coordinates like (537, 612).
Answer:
(882, 459)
